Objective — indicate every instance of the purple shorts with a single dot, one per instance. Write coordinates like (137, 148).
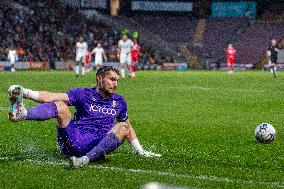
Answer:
(73, 142)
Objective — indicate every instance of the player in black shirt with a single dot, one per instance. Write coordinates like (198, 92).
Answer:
(273, 50)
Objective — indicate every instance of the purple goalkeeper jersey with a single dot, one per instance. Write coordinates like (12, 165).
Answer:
(95, 114)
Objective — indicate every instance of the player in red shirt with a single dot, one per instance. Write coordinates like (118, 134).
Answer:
(231, 54)
(88, 57)
(134, 58)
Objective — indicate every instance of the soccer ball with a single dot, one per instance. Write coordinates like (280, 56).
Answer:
(265, 133)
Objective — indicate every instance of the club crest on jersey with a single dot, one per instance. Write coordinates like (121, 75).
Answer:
(114, 104)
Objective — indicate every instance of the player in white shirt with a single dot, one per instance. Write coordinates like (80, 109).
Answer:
(81, 50)
(124, 53)
(12, 57)
(99, 55)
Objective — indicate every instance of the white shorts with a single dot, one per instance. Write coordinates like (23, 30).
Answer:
(125, 58)
(98, 61)
(80, 58)
(12, 62)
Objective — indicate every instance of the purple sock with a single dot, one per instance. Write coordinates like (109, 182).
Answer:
(107, 145)
(42, 112)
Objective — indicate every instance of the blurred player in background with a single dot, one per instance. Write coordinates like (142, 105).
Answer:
(88, 58)
(124, 53)
(81, 50)
(134, 58)
(13, 58)
(99, 55)
(92, 133)
(272, 52)
(231, 54)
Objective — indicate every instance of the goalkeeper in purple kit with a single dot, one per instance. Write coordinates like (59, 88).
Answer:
(92, 132)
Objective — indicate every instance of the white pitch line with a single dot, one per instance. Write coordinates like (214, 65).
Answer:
(159, 173)
(201, 177)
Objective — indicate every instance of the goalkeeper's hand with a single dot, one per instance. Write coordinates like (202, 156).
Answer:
(145, 153)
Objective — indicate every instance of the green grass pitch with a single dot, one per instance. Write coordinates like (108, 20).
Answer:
(201, 122)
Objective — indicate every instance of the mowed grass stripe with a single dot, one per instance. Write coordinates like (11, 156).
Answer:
(153, 172)
(201, 122)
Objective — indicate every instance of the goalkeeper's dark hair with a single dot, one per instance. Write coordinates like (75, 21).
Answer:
(104, 69)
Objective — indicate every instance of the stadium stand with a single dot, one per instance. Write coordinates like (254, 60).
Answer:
(221, 31)
(217, 34)
(204, 38)
(178, 38)
(199, 32)
(54, 27)
(254, 42)
(175, 28)
(274, 13)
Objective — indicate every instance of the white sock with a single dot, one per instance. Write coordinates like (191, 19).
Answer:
(24, 113)
(13, 69)
(136, 146)
(85, 160)
(122, 72)
(77, 69)
(28, 93)
(83, 70)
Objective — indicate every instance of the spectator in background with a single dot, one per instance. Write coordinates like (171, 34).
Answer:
(112, 53)
(231, 54)
(51, 58)
(272, 52)
(152, 61)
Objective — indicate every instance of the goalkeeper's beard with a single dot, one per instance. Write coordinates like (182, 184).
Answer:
(107, 91)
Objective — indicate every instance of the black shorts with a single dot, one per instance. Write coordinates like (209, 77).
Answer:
(273, 60)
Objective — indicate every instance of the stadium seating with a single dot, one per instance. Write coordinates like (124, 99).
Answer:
(220, 31)
(181, 30)
(55, 27)
(173, 29)
(255, 41)
(274, 12)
